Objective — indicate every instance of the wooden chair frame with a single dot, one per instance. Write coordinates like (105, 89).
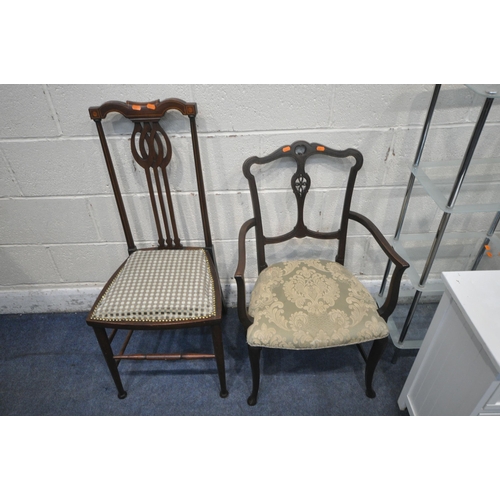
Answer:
(151, 149)
(301, 152)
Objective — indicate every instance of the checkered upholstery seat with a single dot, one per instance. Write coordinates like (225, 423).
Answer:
(160, 286)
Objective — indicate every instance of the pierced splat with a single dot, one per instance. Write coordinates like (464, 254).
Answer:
(300, 184)
(154, 145)
(152, 150)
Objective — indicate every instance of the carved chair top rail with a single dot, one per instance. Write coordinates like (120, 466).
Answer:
(140, 111)
(301, 151)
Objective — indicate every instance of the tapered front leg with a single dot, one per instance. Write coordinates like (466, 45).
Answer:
(102, 338)
(254, 353)
(376, 352)
(219, 358)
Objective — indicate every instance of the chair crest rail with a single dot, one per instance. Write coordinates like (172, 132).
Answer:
(153, 110)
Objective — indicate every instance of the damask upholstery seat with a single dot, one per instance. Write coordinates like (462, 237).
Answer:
(310, 303)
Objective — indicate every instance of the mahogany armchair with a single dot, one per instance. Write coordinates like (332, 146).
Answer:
(311, 303)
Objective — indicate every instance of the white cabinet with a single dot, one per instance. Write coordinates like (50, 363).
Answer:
(457, 369)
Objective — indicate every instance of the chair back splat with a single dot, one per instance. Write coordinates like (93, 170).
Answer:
(152, 150)
(171, 286)
(301, 152)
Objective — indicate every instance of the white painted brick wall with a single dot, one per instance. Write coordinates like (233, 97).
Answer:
(61, 236)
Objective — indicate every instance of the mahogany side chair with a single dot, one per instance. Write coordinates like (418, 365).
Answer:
(168, 286)
(314, 303)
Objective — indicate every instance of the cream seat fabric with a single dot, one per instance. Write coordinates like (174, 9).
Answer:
(312, 304)
(160, 285)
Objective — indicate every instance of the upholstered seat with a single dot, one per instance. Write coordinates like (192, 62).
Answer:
(311, 304)
(160, 285)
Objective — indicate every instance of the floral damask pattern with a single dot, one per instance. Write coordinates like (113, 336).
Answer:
(311, 304)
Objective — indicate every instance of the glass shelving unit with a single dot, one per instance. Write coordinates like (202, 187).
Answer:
(443, 181)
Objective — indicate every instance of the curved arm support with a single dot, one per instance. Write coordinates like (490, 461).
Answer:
(387, 308)
(245, 318)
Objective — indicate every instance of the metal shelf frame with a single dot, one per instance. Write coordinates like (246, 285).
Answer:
(447, 210)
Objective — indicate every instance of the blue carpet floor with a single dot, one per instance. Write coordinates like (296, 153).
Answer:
(51, 365)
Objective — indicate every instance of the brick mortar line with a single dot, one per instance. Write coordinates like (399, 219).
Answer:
(190, 193)
(54, 263)
(225, 192)
(242, 133)
(11, 173)
(55, 115)
(144, 244)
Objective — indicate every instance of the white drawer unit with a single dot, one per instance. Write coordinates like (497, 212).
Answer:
(457, 369)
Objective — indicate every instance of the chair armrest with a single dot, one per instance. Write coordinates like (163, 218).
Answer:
(245, 318)
(387, 308)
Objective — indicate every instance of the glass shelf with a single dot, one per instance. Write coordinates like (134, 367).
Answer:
(485, 89)
(457, 251)
(482, 183)
(395, 322)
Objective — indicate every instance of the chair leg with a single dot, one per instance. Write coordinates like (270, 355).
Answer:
(102, 338)
(376, 352)
(224, 306)
(219, 358)
(254, 353)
